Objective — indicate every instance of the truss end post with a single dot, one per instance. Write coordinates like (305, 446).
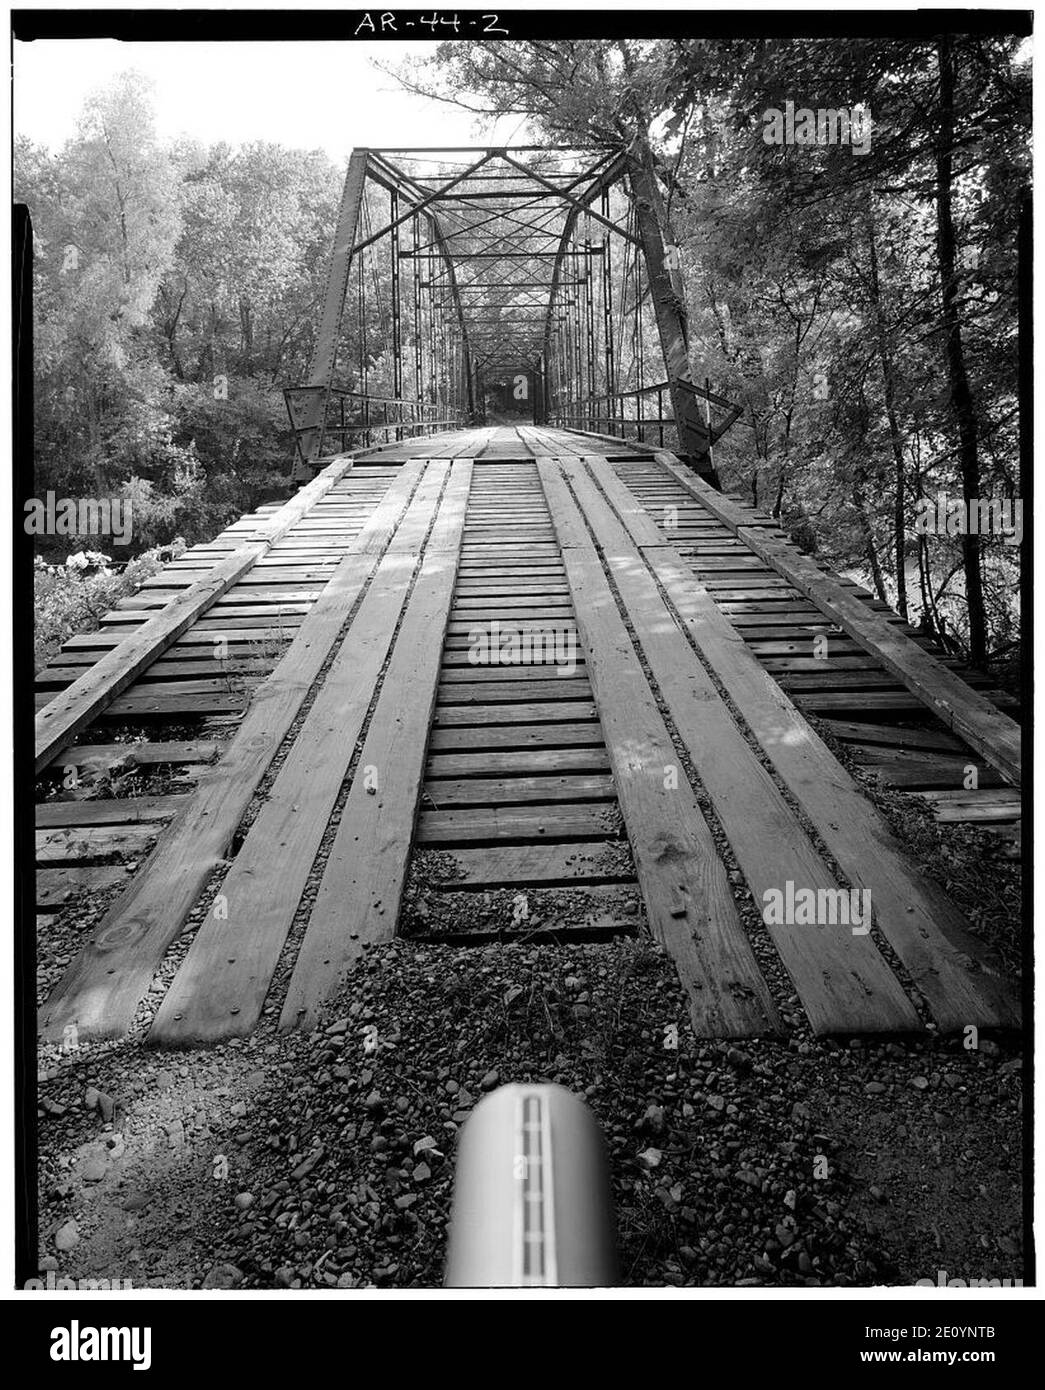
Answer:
(701, 465)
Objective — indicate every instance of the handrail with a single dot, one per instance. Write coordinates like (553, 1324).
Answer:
(388, 416)
(587, 411)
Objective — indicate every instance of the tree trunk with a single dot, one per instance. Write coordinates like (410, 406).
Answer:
(872, 550)
(246, 328)
(889, 388)
(666, 288)
(94, 436)
(668, 305)
(960, 395)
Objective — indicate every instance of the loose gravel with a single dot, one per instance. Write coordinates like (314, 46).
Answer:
(326, 1161)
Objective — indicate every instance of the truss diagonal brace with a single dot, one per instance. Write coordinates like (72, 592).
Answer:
(577, 203)
(308, 410)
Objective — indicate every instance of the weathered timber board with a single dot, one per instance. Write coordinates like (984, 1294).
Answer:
(103, 986)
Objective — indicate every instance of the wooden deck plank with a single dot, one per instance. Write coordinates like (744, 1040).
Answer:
(506, 866)
(575, 821)
(903, 768)
(533, 712)
(99, 757)
(220, 989)
(841, 978)
(967, 713)
(58, 887)
(108, 811)
(103, 986)
(1001, 803)
(689, 902)
(957, 975)
(361, 889)
(91, 842)
(866, 703)
(528, 761)
(505, 791)
(515, 736)
(64, 716)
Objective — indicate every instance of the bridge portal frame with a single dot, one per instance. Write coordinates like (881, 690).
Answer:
(507, 204)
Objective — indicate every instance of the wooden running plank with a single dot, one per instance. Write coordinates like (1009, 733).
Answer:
(688, 898)
(359, 896)
(975, 718)
(954, 971)
(103, 986)
(842, 979)
(58, 723)
(220, 988)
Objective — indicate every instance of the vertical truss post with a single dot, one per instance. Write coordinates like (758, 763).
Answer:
(560, 363)
(308, 405)
(589, 306)
(364, 349)
(638, 342)
(418, 335)
(397, 310)
(435, 366)
(433, 300)
(577, 366)
(607, 314)
(670, 311)
(569, 361)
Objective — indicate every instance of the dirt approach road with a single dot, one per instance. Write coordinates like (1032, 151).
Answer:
(292, 1161)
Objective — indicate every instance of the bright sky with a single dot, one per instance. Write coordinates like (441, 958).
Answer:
(327, 96)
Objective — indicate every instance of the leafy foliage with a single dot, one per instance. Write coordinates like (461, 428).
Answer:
(175, 290)
(861, 306)
(73, 597)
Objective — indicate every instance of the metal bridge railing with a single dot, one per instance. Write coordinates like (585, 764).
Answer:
(355, 419)
(624, 415)
(644, 414)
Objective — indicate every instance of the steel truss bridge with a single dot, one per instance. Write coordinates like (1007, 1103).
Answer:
(586, 677)
(539, 274)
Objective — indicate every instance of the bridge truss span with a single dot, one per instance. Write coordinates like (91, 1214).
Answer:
(505, 285)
